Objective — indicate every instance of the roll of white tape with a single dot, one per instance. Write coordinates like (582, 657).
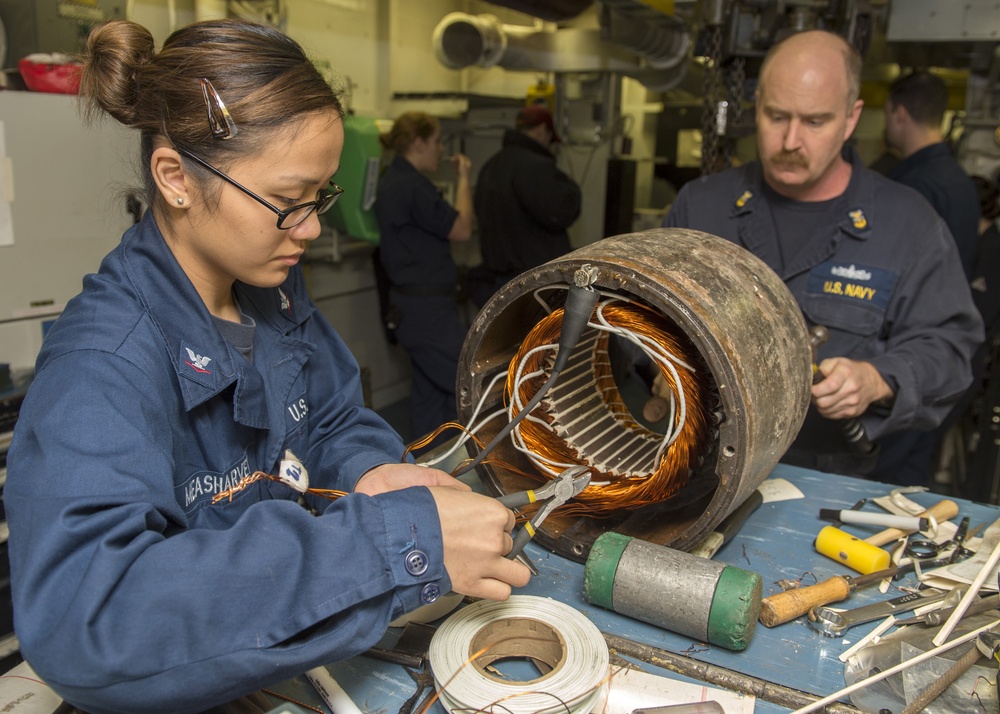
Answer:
(560, 640)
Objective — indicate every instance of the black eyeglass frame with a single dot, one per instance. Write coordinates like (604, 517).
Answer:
(321, 205)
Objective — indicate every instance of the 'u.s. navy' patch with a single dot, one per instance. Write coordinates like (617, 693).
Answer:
(852, 281)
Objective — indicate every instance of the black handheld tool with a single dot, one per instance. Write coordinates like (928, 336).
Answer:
(853, 431)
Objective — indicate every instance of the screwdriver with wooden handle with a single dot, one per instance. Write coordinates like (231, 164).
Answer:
(786, 606)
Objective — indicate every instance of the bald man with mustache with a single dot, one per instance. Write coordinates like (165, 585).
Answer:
(865, 257)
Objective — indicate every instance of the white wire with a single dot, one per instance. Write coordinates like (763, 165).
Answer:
(678, 403)
(678, 406)
(471, 430)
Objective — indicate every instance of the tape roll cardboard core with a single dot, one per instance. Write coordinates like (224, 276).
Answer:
(518, 638)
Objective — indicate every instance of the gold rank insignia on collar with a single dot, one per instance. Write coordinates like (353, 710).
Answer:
(744, 199)
(858, 219)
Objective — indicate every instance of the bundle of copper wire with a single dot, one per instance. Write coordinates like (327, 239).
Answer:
(556, 438)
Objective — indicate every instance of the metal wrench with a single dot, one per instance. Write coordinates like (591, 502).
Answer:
(833, 623)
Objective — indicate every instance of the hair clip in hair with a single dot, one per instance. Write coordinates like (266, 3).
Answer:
(219, 121)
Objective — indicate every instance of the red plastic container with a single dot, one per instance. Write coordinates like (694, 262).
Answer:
(50, 73)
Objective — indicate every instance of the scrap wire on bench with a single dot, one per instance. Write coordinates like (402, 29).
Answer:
(583, 420)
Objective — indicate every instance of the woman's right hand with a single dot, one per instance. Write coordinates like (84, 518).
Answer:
(475, 530)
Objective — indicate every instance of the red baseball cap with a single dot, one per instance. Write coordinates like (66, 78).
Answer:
(536, 114)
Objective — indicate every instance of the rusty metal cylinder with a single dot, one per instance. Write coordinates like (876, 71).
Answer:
(750, 338)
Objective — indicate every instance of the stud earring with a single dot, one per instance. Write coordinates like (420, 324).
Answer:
(180, 201)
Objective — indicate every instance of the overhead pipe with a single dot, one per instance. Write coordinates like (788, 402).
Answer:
(550, 10)
(660, 39)
(461, 40)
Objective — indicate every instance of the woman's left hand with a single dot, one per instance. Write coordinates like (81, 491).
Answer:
(394, 477)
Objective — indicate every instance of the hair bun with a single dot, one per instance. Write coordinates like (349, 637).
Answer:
(114, 54)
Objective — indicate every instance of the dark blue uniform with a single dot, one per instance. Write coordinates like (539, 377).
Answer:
(934, 172)
(524, 204)
(132, 590)
(414, 222)
(884, 276)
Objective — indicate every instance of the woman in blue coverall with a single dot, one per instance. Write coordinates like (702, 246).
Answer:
(416, 228)
(150, 571)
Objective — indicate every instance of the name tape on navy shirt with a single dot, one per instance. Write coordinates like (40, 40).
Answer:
(851, 281)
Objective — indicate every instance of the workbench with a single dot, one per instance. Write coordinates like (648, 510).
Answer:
(776, 541)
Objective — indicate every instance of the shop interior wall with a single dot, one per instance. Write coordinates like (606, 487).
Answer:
(380, 51)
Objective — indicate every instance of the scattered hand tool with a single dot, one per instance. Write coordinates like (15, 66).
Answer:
(851, 551)
(333, 695)
(973, 592)
(786, 606)
(709, 707)
(936, 617)
(410, 649)
(921, 548)
(558, 491)
(853, 430)
(833, 624)
(943, 510)
(874, 518)
(729, 526)
(424, 681)
(986, 645)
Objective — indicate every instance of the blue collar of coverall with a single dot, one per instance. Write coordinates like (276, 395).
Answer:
(859, 196)
(189, 330)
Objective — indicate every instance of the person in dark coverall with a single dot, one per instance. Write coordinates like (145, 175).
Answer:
(914, 110)
(524, 204)
(986, 295)
(986, 275)
(416, 227)
(157, 565)
(864, 256)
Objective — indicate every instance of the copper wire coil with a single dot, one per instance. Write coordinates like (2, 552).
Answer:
(623, 491)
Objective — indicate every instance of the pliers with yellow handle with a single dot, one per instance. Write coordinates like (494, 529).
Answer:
(558, 491)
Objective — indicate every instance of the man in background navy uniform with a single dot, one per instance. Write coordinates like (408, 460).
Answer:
(864, 256)
(914, 111)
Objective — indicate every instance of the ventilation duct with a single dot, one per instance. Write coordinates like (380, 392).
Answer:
(651, 54)
(551, 10)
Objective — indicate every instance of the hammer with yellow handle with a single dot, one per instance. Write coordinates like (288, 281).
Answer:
(786, 606)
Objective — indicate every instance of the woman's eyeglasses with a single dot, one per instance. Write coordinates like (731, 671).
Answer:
(287, 217)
